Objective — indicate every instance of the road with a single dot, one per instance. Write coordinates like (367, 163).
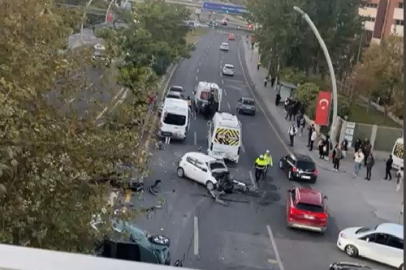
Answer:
(250, 233)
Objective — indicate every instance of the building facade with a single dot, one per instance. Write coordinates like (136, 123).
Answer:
(383, 18)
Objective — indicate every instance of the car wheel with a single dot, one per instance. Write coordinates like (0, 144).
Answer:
(290, 176)
(160, 240)
(209, 185)
(180, 172)
(351, 251)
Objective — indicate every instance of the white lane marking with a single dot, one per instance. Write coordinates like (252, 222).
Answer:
(197, 78)
(196, 236)
(220, 66)
(101, 114)
(71, 100)
(242, 148)
(275, 248)
(222, 81)
(197, 70)
(118, 94)
(91, 84)
(101, 76)
(254, 184)
(200, 63)
(225, 92)
(260, 107)
(229, 106)
(195, 138)
(121, 100)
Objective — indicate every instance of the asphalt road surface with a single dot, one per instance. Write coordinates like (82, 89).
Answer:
(251, 232)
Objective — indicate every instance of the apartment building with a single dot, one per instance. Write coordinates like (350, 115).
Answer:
(384, 17)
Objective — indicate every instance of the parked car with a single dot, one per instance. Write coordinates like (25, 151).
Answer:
(127, 242)
(246, 105)
(382, 243)
(176, 88)
(176, 95)
(228, 70)
(348, 266)
(201, 168)
(224, 46)
(299, 167)
(306, 209)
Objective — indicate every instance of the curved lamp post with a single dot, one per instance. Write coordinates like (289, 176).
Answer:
(108, 10)
(330, 68)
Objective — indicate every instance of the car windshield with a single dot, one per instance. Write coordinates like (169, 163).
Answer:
(216, 166)
(365, 229)
(174, 95)
(248, 102)
(224, 45)
(174, 119)
(306, 165)
(310, 207)
(176, 89)
(229, 67)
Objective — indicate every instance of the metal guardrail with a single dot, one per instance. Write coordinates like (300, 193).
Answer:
(41, 259)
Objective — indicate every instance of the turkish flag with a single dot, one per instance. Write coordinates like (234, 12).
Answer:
(322, 108)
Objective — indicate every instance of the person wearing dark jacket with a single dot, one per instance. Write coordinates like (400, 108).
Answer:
(366, 149)
(309, 134)
(389, 163)
(370, 162)
(357, 145)
(277, 99)
(321, 150)
(327, 147)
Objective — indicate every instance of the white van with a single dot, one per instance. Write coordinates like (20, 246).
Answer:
(225, 137)
(202, 93)
(397, 154)
(175, 119)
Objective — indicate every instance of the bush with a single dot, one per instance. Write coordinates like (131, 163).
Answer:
(307, 94)
(292, 75)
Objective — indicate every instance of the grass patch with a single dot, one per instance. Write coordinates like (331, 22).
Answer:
(360, 114)
(193, 35)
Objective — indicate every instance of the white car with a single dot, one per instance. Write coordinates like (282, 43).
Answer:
(382, 243)
(201, 168)
(228, 70)
(224, 46)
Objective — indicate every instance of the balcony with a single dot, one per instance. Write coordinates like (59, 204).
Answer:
(369, 26)
(367, 12)
(397, 30)
(39, 259)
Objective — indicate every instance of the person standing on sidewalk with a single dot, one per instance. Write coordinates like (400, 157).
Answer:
(337, 157)
(370, 161)
(399, 179)
(344, 148)
(292, 133)
(313, 138)
(321, 149)
(388, 167)
(367, 147)
(327, 146)
(358, 158)
(302, 124)
(310, 132)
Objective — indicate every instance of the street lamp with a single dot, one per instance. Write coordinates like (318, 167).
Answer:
(84, 18)
(330, 68)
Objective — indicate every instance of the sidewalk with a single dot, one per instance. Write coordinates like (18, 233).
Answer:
(381, 195)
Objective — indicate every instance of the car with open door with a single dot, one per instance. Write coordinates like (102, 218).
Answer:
(382, 243)
(306, 209)
(201, 168)
(299, 167)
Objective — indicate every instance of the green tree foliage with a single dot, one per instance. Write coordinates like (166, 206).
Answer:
(292, 75)
(48, 154)
(380, 74)
(285, 38)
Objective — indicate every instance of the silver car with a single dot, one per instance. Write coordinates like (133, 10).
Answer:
(246, 105)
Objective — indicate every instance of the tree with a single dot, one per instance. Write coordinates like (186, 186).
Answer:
(49, 155)
(292, 75)
(380, 74)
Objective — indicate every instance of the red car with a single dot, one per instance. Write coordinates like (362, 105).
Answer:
(306, 209)
(231, 36)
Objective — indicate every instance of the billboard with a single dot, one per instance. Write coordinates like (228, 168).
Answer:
(224, 8)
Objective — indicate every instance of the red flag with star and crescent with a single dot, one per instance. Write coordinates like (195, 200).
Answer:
(322, 108)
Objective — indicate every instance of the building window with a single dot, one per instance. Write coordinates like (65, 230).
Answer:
(369, 19)
(398, 22)
(369, 5)
(400, 5)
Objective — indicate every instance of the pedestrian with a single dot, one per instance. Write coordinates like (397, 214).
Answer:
(286, 104)
(357, 145)
(370, 162)
(344, 148)
(388, 168)
(277, 99)
(258, 65)
(289, 111)
(367, 147)
(358, 158)
(334, 153)
(302, 123)
(337, 157)
(327, 146)
(313, 137)
(321, 150)
(266, 81)
(272, 81)
(295, 109)
(292, 133)
(399, 179)
(309, 133)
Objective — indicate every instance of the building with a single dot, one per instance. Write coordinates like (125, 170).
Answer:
(384, 17)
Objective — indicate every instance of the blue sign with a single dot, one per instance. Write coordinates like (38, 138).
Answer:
(233, 9)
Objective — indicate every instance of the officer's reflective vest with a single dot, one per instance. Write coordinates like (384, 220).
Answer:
(260, 163)
(268, 159)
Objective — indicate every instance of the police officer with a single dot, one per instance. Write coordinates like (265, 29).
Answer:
(269, 162)
(260, 166)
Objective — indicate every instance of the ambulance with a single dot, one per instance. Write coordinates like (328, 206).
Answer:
(397, 154)
(202, 92)
(225, 137)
